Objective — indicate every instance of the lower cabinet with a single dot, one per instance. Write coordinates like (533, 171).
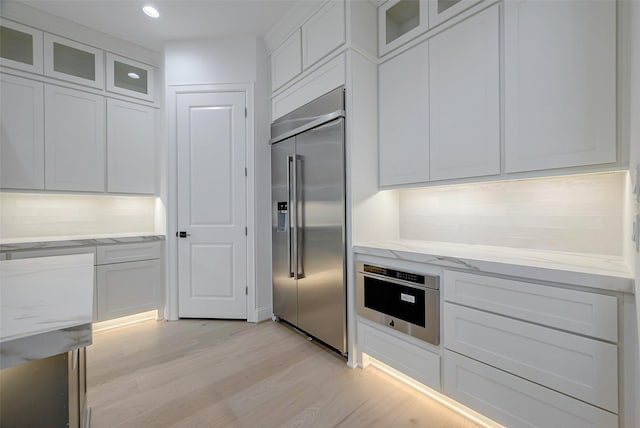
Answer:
(127, 288)
(128, 279)
(404, 356)
(515, 402)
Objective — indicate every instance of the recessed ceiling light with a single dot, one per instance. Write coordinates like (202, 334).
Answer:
(133, 75)
(151, 11)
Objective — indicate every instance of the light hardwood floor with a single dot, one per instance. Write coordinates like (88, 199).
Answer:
(207, 373)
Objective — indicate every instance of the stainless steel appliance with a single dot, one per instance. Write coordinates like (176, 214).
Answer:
(308, 219)
(405, 301)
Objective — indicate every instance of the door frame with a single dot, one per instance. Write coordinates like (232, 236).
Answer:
(171, 307)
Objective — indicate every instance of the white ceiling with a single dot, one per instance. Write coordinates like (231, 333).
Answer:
(179, 19)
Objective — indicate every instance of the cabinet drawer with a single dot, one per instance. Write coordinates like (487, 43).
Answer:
(576, 311)
(14, 255)
(515, 402)
(128, 252)
(580, 367)
(128, 288)
(416, 362)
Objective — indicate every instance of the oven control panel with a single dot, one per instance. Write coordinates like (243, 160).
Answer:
(397, 274)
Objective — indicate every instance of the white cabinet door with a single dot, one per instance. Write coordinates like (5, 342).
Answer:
(72, 61)
(560, 84)
(74, 140)
(22, 141)
(131, 148)
(464, 90)
(404, 117)
(130, 78)
(515, 402)
(286, 61)
(128, 288)
(441, 10)
(20, 46)
(323, 32)
(400, 21)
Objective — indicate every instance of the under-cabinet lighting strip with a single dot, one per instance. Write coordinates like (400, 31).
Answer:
(123, 321)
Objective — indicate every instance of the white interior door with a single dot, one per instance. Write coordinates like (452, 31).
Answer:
(212, 261)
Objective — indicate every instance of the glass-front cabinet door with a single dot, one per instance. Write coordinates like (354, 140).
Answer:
(72, 61)
(399, 21)
(20, 46)
(129, 77)
(442, 10)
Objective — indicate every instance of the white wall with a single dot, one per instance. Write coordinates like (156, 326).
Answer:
(26, 215)
(211, 61)
(581, 213)
(231, 61)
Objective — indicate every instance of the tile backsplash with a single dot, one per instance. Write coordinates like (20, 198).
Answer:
(25, 215)
(580, 213)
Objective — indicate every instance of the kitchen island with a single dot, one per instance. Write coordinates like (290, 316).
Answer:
(46, 309)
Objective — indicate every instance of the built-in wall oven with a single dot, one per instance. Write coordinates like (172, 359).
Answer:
(408, 302)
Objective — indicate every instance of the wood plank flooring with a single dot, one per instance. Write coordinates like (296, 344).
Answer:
(209, 373)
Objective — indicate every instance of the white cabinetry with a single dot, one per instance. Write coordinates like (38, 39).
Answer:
(131, 151)
(72, 61)
(399, 21)
(560, 84)
(74, 140)
(22, 141)
(323, 32)
(404, 117)
(286, 61)
(464, 98)
(441, 10)
(130, 78)
(514, 401)
(20, 46)
(128, 279)
(526, 347)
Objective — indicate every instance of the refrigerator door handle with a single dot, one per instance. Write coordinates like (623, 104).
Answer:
(294, 214)
(299, 267)
(289, 217)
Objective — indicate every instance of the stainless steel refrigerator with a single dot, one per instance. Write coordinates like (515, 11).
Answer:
(308, 219)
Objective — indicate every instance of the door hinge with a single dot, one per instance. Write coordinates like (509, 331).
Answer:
(246, 291)
(246, 231)
(245, 171)
(245, 112)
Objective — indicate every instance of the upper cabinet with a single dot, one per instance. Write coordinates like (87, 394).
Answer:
(22, 125)
(131, 78)
(74, 62)
(464, 81)
(74, 140)
(404, 117)
(323, 32)
(286, 61)
(399, 21)
(20, 46)
(560, 84)
(131, 150)
(441, 10)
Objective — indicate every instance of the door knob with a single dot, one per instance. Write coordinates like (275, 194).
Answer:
(182, 234)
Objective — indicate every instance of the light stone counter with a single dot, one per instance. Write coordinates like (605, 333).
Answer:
(46, 306)
(40, 243)
(582, 269)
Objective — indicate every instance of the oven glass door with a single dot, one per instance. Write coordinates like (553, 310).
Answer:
(397, 300)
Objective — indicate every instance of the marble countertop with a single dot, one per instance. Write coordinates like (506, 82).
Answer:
(46, 242)
(48, 298)
(582, 269)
